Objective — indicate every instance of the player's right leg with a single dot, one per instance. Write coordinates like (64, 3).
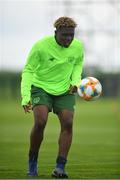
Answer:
(41, 102)
(36, 137)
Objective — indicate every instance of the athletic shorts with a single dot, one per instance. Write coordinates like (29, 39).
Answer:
(54, 103)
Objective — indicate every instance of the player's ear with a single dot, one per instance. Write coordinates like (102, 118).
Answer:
(55, 32)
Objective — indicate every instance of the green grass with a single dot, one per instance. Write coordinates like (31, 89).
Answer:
(95, 151)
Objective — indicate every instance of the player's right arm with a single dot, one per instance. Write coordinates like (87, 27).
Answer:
(27, 75)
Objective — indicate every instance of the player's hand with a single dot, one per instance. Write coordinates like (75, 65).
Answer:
(28, 107)
(72, 89)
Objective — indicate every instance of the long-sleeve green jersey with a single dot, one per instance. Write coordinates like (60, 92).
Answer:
(52, 67)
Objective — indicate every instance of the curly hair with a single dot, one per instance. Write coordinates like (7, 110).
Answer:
(64, 22)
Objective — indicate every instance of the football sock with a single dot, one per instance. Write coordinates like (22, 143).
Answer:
(60, 162)
(33, 156)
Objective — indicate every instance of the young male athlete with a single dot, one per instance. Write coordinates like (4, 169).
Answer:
(49, 80)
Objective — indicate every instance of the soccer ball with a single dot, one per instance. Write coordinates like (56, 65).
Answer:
(90, 88)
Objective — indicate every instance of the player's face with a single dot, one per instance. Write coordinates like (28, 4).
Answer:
(64, 36)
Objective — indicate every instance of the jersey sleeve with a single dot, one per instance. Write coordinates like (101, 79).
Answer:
(27, 75)
(77, 69)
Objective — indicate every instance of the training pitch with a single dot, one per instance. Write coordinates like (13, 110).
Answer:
(95, 150)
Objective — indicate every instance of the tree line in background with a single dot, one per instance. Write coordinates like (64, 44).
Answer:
(10, 84)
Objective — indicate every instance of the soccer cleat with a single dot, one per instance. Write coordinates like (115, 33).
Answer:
(59, 173)
(32, 169)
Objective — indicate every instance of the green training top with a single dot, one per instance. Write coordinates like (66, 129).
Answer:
(52, 67)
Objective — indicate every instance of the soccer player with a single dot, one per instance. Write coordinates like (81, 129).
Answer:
(49, 82)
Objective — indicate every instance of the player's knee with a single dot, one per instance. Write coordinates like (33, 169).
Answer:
(40, 125)
(68, 124)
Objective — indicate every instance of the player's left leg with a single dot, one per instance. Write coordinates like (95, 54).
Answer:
(65, 139)
(64, 106)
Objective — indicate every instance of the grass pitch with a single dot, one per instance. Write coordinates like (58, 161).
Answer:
(95, 151)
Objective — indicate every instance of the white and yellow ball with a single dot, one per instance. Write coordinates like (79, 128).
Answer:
(90, 88)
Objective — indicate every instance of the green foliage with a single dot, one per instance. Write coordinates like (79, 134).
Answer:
(10, 84)
(95, 151)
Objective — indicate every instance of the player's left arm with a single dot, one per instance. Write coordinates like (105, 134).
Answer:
(77, 71)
